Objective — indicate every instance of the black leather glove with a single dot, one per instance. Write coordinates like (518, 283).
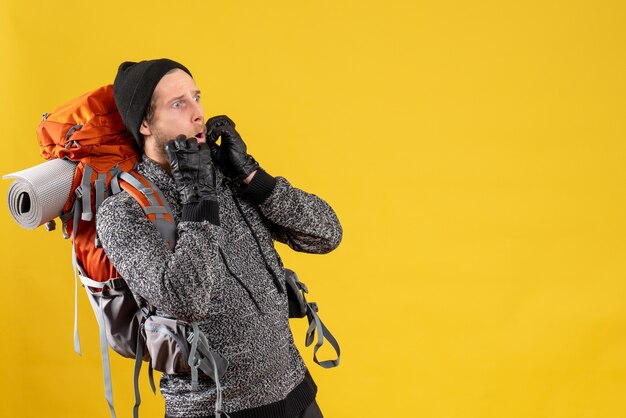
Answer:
(194, 175)
(231, 155)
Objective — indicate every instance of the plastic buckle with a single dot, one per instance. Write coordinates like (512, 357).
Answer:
(51, 225)
(116, 283)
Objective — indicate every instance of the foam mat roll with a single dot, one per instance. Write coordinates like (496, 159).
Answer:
(38, 194)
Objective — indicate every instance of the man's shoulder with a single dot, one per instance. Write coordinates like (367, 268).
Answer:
(119, 206)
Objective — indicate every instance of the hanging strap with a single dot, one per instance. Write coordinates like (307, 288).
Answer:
(84, 193)
(210, 362)
(104, 348)
(194, 360)
(138, 361)
(151, 377)
(115, 181)
(316, 324)
(76, 210)
(101, 187)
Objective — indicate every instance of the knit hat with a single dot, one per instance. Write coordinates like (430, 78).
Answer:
(133, 87)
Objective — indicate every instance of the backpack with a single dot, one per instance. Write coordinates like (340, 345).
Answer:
(88, 130)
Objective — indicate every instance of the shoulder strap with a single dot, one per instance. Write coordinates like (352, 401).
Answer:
(152, 202)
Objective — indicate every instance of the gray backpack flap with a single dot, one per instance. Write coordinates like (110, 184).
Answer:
(170, 343)
(167, 344)
(121, 315)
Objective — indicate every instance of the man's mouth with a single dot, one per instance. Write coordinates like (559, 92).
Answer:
(201, 137)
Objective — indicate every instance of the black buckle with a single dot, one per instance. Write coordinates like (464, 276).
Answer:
(116, 283)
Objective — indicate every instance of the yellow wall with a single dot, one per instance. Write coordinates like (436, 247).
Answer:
(474, 151)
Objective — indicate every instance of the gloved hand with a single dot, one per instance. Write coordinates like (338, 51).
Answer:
(192, 169)
(231, 155)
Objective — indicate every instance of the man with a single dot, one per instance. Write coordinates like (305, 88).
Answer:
(224, 271)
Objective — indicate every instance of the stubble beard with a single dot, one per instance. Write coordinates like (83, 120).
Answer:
(160, 140)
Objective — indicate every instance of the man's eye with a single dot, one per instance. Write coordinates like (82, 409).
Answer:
(176, 104)
(197, 98)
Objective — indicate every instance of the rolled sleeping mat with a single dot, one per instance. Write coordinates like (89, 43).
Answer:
(38, 194)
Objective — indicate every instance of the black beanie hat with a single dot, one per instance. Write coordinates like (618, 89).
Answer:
(133, 87)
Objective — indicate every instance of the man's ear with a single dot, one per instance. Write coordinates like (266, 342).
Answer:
(144, 129)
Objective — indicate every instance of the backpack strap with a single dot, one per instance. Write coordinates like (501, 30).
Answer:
(152, 202)
(316, 324)
(201, 356)
(104, 346)
(299, 307)
(138, 363)
(83, 192)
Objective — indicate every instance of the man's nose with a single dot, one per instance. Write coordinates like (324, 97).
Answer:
(197, 112)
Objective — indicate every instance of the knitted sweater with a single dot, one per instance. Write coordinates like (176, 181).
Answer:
(229, 278)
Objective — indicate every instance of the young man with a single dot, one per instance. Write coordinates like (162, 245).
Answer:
(224, 271)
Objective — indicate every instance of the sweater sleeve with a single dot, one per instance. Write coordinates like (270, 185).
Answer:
(299, 219)
(178, 282)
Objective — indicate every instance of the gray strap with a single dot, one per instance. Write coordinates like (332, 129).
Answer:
(77, 349)
(100, 189)
(205, 353)
(64, 220)
(218, 386)
(138, 361)
(115, 182)
(87, 281)
(155, 210)
(76, 209)
(133, 181)
(71, 131)
(85, 192)
(104, 350)
(151, 377)
(106, 365)
(209, 365)
(201, 356)
(166, 229)
(316, 324)
(193, 360)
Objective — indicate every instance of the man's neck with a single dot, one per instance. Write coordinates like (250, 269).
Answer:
(157, 157)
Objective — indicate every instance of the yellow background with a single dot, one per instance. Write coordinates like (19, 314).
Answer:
(473, 150)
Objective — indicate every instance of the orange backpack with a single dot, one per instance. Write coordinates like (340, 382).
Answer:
(88, 130)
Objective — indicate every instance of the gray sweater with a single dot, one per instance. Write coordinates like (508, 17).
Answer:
(230, 279)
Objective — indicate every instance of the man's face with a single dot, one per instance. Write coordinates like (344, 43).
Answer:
(177, 110)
